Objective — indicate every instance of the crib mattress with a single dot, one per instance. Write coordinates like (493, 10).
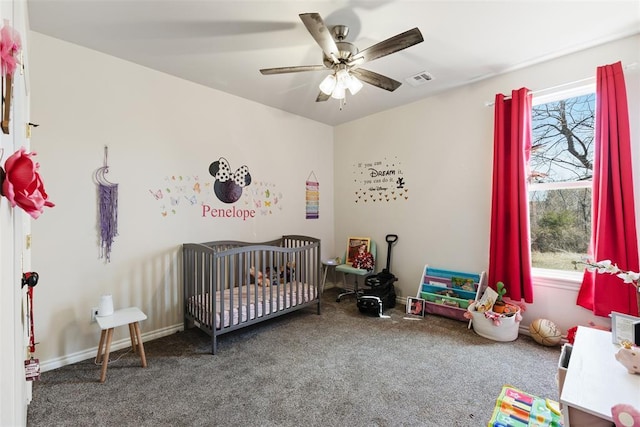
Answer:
(273, 299)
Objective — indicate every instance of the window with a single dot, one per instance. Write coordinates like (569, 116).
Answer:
(560, 176)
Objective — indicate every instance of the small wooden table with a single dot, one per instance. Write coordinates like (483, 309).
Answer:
(126, 316)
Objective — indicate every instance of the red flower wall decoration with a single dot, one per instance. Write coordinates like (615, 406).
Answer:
(22, 185)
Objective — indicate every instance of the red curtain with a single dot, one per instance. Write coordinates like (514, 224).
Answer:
(509, 248)
(614, 225)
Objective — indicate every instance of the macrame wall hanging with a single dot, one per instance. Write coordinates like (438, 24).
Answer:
(107, 207)
(313, 197)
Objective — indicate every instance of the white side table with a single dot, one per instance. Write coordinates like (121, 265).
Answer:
(327, 264)
(126, 316)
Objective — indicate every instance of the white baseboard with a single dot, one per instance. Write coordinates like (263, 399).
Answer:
(91, 353)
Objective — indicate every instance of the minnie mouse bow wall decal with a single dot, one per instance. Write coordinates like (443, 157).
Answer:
(228, 186)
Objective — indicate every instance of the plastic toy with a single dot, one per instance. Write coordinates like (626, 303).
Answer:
(515, 408)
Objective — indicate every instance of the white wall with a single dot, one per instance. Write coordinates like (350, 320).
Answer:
(162, 133)
(444, 146)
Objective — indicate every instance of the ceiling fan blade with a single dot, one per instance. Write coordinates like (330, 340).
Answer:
(321, 34)
(375, 79)
(388, 46)
(295, 69)
(322, 97)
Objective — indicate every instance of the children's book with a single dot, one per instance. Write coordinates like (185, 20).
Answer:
(464, 283)
(486, 301)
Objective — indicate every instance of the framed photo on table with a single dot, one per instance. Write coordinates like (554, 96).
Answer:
(353, 243)
(625, 328)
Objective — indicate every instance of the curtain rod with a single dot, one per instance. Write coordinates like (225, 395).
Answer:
(586, 79)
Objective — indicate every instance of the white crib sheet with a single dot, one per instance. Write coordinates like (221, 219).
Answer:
(280, 296)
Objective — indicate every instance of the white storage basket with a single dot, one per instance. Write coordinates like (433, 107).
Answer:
(507, 330)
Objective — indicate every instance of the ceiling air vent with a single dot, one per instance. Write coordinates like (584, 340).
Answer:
(419, 79)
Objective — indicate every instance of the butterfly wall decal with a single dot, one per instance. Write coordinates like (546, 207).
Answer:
(157, 194)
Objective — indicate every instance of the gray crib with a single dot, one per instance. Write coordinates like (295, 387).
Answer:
(229, 285)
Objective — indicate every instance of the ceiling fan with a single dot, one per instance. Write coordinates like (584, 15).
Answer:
(344, 59)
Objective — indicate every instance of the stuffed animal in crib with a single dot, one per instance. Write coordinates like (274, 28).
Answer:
(283, 276)
(260, 280)
(286, 273)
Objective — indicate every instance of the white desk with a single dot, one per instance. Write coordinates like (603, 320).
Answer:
(595, 380)
(126, 316)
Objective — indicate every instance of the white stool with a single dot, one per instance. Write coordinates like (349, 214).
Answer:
(126, 316)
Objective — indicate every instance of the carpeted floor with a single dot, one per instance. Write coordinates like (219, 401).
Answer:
(341, 368)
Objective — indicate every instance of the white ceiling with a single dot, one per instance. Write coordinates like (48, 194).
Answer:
(222, 44)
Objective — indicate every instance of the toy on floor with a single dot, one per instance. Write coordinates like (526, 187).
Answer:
(515, 408)
(625, 416)
(545, 332)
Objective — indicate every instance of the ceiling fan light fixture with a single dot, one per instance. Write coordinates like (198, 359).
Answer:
(342, 76)
(354, 85)
(338, 92)
(328, 84)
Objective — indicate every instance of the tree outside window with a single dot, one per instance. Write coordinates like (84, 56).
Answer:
(559, 183)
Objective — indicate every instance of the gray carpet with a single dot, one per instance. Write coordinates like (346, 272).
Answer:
(341, 368)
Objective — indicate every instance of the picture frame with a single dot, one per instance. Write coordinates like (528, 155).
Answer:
(353, 243)
(415, 306)
(625, 327)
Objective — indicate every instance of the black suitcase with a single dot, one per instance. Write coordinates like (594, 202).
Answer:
(381, 293)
